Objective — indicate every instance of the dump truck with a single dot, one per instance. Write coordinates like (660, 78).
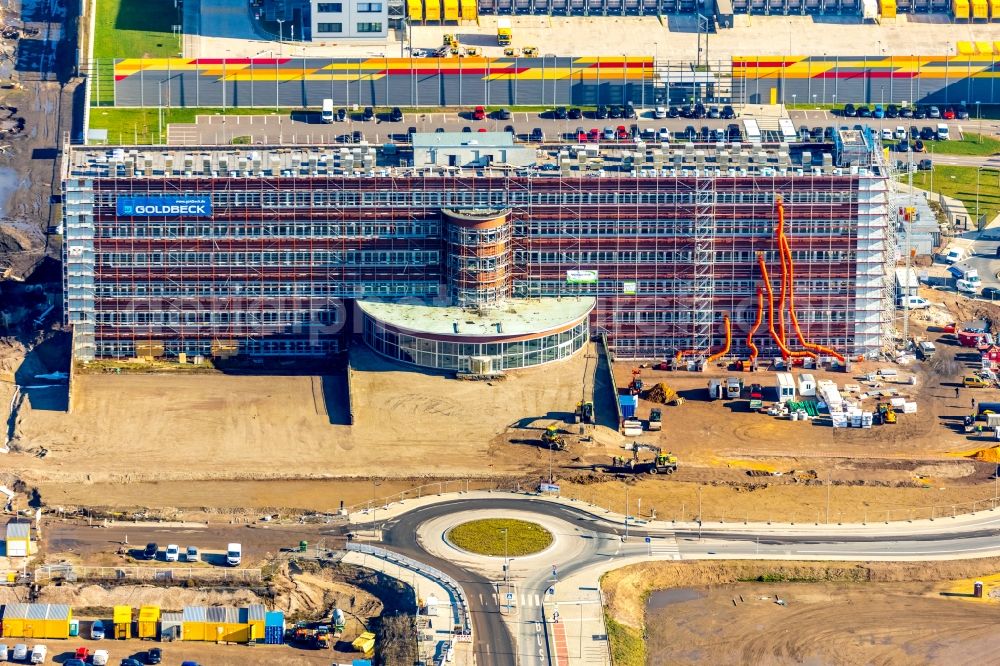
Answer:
(662, 462)
(504, 33)
(553, 439)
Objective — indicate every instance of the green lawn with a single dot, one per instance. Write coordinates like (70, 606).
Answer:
(960, 183)
(140, 126)
(485, 537)
(627, 646)
(135, 29)
(971, 144)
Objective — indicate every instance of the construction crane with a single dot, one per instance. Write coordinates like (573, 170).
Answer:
(662, 462)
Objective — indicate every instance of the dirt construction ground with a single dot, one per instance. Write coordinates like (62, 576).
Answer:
(821, 623)
(834, 613)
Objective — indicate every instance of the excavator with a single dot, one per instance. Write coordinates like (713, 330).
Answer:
(662, 463)
(553, 439)
(584, 412)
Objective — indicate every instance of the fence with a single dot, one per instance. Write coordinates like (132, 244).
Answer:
(463, 616)
(69, 572)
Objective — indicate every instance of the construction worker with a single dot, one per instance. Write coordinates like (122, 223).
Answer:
(956, 391)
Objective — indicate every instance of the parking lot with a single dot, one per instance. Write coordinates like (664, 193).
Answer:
(305, 127)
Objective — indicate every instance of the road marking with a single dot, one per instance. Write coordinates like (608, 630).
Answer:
(897, 552)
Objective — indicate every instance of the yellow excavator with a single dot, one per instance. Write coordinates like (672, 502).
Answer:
(662, 462)
(553, 439)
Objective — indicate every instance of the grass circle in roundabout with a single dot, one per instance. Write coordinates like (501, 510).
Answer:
(486, 537)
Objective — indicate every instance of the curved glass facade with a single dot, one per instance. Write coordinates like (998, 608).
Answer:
(447, 355)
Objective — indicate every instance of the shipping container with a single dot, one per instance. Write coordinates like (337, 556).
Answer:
(171, 625)
(254, 616)
(628, 404)
(980, 11)
(888, 8)
(149, 619)
(18, 539)
(807, 385)
(122, 621)
(470, 11)
(785, 386)
(415, 10)
(193, 623)
(432, 10)
(37, 620)
(451, 10)
(960, 9)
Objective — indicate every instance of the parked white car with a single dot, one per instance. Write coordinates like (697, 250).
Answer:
(38, 654)
(172, 553)
(20, 652)
(900, 132)
(660, 112)
(100, 657)
(915, 303)
(967, 287)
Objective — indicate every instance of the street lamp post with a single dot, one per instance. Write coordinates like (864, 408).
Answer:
(506, 566)
(979, 121)
(281, 22)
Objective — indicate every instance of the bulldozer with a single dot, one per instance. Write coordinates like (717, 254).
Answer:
(584, 412)
(662, 463)
(553, 439)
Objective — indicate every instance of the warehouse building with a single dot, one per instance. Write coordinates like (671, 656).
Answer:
(665, 250)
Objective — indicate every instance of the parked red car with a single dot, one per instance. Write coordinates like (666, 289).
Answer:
(595, 135)
(622, 133)
(949, 113)
(479, 113)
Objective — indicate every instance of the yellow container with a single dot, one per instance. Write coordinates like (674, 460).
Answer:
(365, 642)
(966, 48)
(432, 10)
(122, 620)
(13, 627)
(451, 10)
(980, 10)
(193, 631)
(415, 10)
(960, 9)
(888, 8)
(995, 15)
(470, 10)
(984, 48)
(149, 619)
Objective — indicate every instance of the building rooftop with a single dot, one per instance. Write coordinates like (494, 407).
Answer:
(462, 139)
(513, 318)
(645, 158)
(18, 530)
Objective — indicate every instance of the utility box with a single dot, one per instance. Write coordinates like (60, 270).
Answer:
(785, 387)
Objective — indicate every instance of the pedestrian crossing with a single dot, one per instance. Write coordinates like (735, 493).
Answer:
(522, 600)
(664, 545)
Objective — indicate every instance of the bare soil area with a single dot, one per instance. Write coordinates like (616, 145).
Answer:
(132, 428)
(820, 623)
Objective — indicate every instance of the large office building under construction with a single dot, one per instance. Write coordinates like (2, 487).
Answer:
(461, 253)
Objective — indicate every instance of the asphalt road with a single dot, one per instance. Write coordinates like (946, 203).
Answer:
(494, 644)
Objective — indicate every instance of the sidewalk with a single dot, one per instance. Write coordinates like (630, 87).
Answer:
(440, 618)
(947, 523)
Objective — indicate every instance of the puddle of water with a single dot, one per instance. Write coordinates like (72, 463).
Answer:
(675, 595)
(9, 183)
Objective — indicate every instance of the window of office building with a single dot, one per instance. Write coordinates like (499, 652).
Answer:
(330, 7)
(329, 27)
(369, 8)
(369, 27)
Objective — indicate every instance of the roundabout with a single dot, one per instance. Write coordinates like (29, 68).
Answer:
(500, 537)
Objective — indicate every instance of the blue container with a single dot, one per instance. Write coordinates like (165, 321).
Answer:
(628, 403)
(274, 635)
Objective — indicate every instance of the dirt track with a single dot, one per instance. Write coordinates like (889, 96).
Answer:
(822, 623)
